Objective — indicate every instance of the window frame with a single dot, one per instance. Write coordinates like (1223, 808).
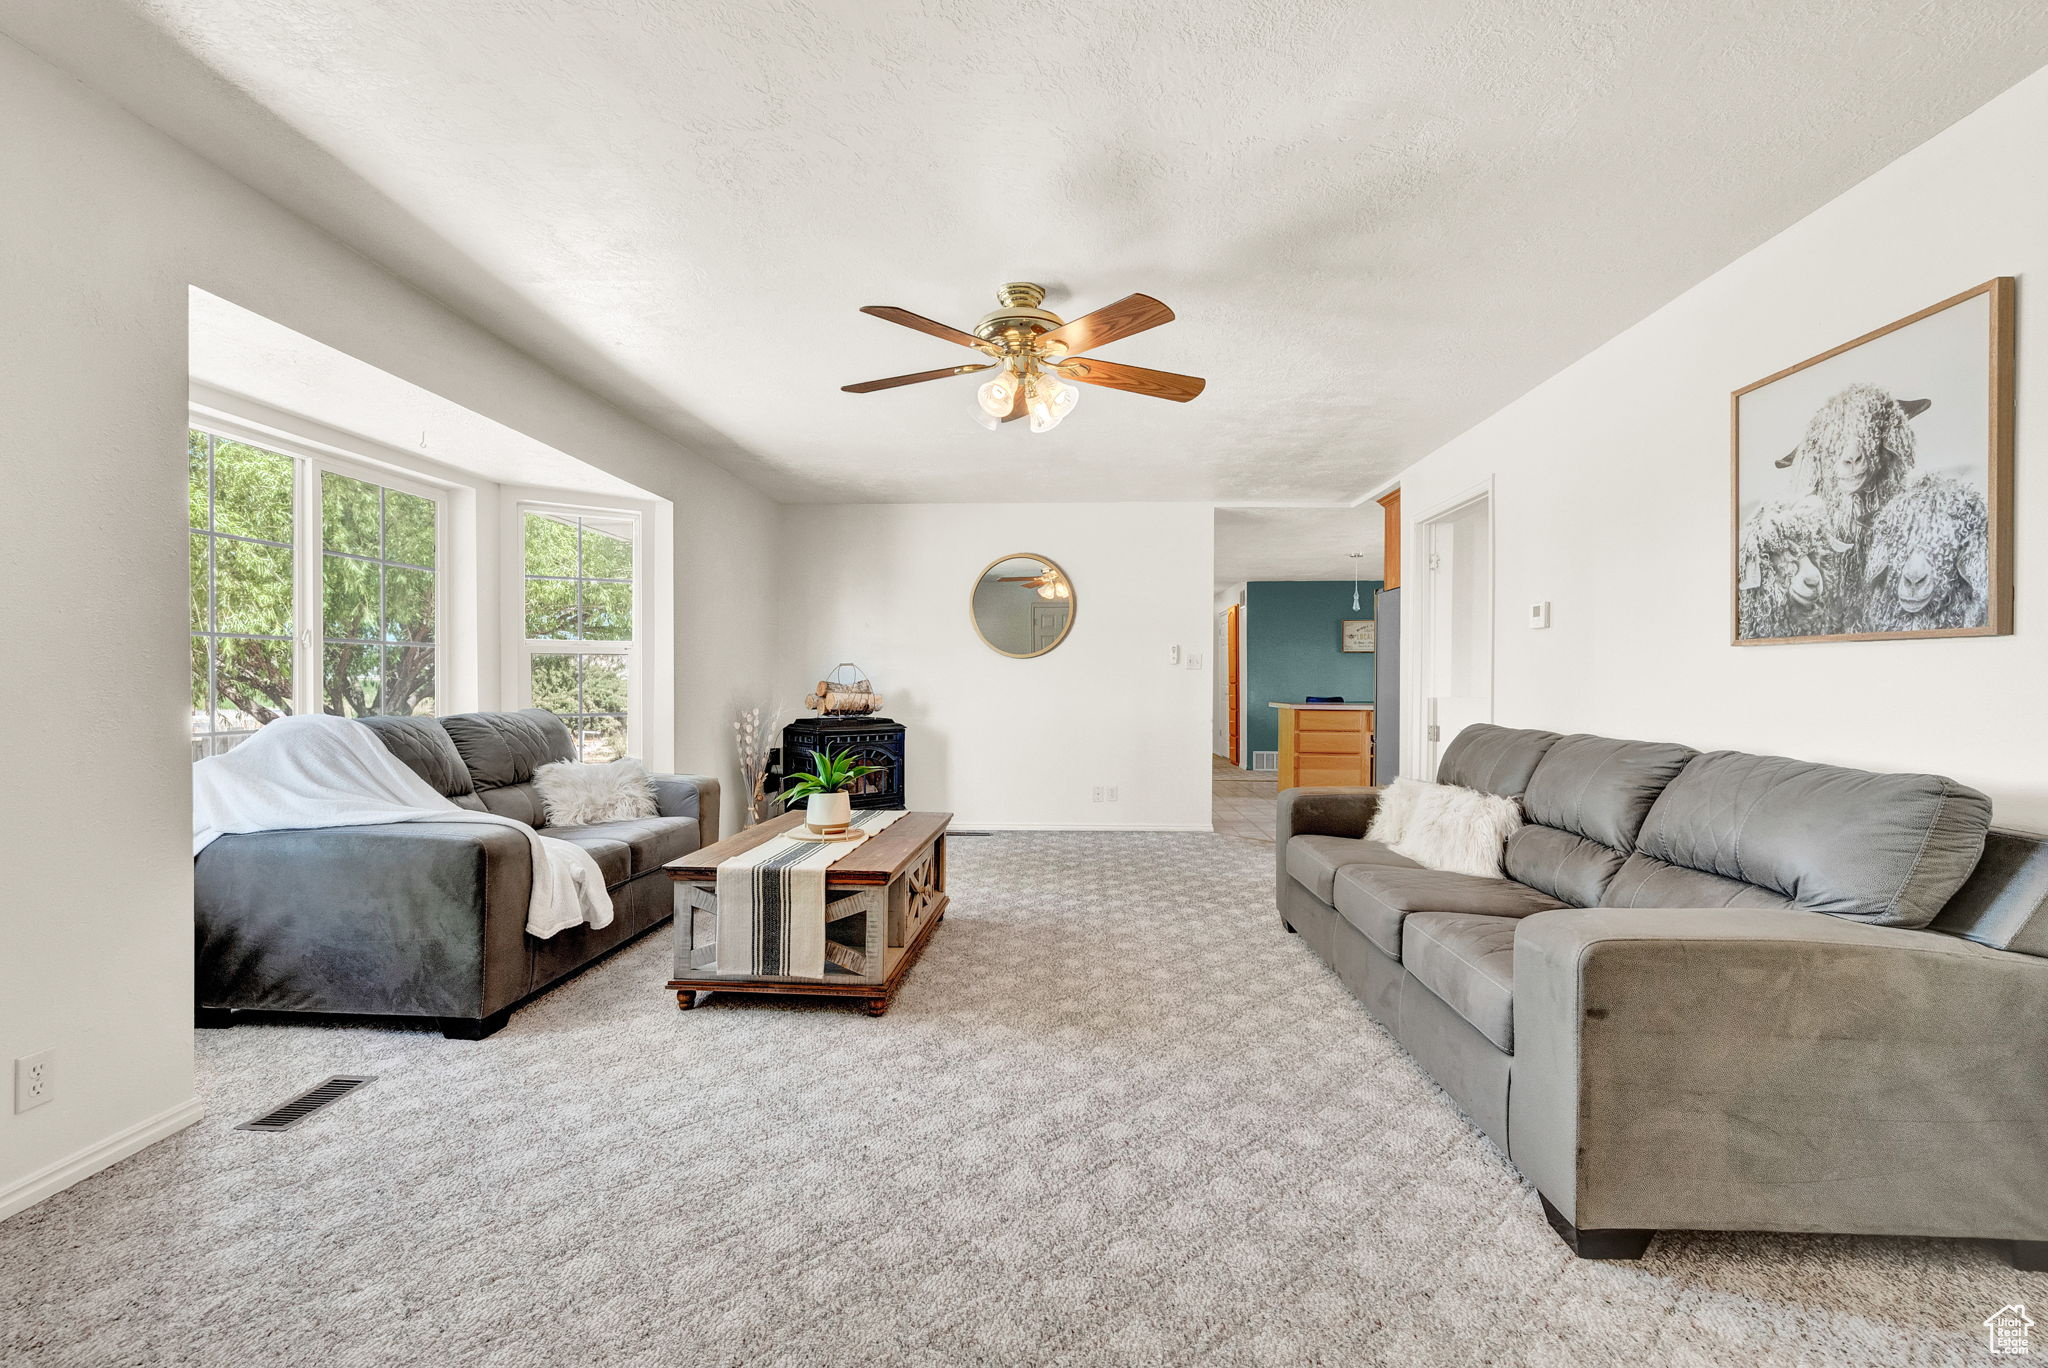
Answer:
(525, 648)
(308, 556)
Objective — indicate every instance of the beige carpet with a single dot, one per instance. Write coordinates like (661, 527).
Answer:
(1117, 1117)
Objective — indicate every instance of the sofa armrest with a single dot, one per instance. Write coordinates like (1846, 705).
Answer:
(420, 919)
(1756, 1069)
(1326, 811)
(689, 795)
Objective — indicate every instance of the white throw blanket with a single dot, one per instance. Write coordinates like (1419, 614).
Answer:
(320, 771)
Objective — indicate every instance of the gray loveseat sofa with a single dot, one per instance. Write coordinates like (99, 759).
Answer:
(424, 920)
(1716, 992)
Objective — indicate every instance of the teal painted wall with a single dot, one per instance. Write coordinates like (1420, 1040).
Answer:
(1291, 650)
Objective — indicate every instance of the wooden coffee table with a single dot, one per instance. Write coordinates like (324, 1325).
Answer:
(883, 900)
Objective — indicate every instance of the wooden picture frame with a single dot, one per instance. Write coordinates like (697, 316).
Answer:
(1872, 525)
(1357, 636)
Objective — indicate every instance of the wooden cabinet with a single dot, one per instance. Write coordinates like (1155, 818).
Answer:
(1324, 744)
(1391, 502)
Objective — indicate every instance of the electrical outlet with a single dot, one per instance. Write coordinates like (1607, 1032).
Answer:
(34, 1079)
(1194, 660)
(1098, 793)
(1173, 655)
(1112, 793)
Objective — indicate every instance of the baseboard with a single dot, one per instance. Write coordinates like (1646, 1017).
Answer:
(48, 1182)
(1082, 826)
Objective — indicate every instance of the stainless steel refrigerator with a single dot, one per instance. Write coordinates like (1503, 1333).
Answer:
(1386, 686)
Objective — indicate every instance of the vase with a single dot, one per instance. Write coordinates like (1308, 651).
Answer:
(828, 814)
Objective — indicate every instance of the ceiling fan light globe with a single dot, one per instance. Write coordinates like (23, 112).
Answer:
(995, 396)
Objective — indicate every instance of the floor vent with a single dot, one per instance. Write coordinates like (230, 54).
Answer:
(1265, 762)
(306, 1103)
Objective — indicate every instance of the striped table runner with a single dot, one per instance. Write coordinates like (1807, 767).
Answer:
(771, 902)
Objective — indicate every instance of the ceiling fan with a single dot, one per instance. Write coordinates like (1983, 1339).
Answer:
(1032, 353)
(1051, 584)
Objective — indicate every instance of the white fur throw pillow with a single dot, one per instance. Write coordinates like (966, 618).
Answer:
(576, 795)
(1396, 806)
(1459, 830)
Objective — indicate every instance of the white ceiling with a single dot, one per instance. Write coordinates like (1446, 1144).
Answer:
(1297, 543)
(1377, 222)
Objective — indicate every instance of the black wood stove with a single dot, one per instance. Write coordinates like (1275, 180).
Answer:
(873, 740)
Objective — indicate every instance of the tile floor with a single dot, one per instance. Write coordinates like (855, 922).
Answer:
(1243, 801)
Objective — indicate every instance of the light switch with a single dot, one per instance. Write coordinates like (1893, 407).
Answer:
(1539, 614)
(1194, 660)
(1173, 655)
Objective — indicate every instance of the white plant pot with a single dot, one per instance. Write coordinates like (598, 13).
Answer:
(828, 814)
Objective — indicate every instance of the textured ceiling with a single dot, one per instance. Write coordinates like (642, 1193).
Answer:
(1378, 222)
(1297, 543)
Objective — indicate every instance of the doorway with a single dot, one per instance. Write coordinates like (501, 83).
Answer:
(1457, 601)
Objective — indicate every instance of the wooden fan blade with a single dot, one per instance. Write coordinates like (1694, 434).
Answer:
(870, 386)
(1017, 408)
(1131, 314)
(1136, 379)
(926, 325)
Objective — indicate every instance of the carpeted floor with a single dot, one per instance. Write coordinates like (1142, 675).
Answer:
(1117, 1116)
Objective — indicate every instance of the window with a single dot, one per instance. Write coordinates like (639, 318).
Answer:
(244, 666)
(579, 622)
(377, 595)
(313, 588)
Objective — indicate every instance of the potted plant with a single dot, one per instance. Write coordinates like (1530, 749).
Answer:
(830, 809)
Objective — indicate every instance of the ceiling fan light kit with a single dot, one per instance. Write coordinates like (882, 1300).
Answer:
(1031, 351)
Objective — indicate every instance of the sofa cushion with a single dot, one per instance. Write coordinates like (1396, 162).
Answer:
(1378, 900)
(650, 842)
(613, 855)
(1493, 759)
(1315, 860)
(1600, 788)
(1645, 881)
(1561, 864)
(1889, 849)
(1469, 962)
(503, 748)
(1585, 805)
(423, 744)
(520, 802)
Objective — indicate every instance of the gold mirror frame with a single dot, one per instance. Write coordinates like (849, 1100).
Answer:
(1073, 604)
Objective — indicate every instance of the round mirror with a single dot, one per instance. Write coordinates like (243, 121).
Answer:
(1023, 605)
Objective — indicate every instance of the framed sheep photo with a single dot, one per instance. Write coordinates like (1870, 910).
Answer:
(1873, 483)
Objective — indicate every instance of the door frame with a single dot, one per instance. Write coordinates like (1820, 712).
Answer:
(1233, 682)
(1416, 683)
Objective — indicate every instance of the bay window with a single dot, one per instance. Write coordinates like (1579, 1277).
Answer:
(315, 587)
(578, 610)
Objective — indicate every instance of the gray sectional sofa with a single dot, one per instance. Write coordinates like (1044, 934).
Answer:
(425, 920)
(1716, 991)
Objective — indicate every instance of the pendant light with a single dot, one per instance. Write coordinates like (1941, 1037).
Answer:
(1356, 557)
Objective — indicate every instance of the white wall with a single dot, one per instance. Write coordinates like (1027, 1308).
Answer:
(1611, 495)
(1019, 743)
(107, 225)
